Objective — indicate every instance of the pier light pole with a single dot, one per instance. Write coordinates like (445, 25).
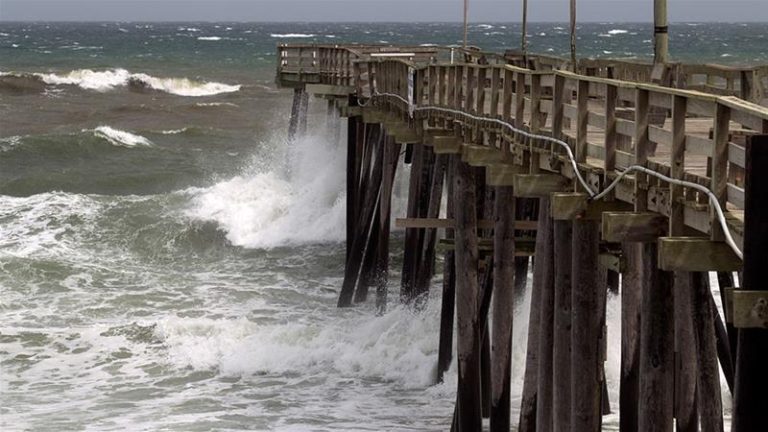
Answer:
(660, 32)
(466, 17)
(573, 35)
(525, 32)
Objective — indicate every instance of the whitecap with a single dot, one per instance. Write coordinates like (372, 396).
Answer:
(119, 137)
(216, 104)
(617, 31)
(485, 26)
(292, 35)
(174, 131)
(208, 38)
(7, 143)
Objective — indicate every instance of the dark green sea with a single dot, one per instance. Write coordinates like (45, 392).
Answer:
(169, 262)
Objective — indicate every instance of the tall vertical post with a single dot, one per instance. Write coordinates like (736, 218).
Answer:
(448, 303)
(573, 35)
(466, 21)
(657, 386)
(545, 261)
(586, 319)
(524, 33)
(528, 405)
(467, 299)
(503, 303)
(561, 352)
(749, 413)
(660, 32)
(296, 113)
(391, 156)
(631, 298)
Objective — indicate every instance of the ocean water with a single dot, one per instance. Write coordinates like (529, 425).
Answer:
(169, 262)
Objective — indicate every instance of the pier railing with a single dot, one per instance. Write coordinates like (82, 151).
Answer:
(609, 124)
(333, 64)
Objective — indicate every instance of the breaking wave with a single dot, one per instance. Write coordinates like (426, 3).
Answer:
(107, 80)
(303, 203)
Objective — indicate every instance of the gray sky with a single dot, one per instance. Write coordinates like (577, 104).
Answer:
(373, 10)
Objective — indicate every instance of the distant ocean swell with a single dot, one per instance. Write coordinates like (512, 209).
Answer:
(106, 80)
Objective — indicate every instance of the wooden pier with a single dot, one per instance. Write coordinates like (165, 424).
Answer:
(651, 172)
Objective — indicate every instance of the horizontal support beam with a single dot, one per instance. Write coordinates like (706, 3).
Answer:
(527, 225)
(645, 227)
(479, 155)
(568, 205)
(522, 247)
(446, 145)
(696, 254)
(576, 205)
(327, 89)
(538, 185)
(371, 115)
(502, 174)
(350, 111)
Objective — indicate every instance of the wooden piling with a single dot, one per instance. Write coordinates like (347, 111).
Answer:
(293, 122)
(502, 304)
(686, 367)
(631, 300)
(448, 301)
(427, 257)
(545, 261)
(656, 338)
(561, 366)
(365, 219)
(749, 412)
(586, 385)
(469, 400)
(710, 406)
(528, 404)
(411, 249)
(391, 157)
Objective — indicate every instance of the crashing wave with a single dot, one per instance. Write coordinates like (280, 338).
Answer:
(106, 80)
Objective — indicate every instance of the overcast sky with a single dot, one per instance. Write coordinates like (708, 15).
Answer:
(373, 10)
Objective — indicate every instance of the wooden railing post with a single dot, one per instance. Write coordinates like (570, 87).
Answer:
(720, 166)
(557, 107)
(519, 100)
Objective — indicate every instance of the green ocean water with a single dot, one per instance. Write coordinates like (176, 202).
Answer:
(169, 262)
